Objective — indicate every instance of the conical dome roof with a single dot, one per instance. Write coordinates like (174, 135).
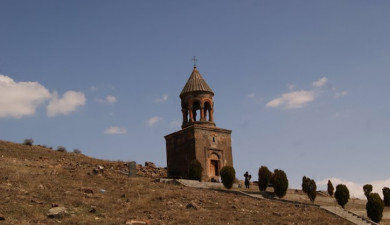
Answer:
(196, 83)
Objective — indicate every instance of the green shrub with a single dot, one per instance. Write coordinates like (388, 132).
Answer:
(77, 151)
(280, 183)
(330, 188)
(195, 170)
(386, 196)
(28, 141)
(264, 178)
(374, 207)
(228, 175)
(304, 178)
(61, 149)
(342, 195)
(367, 190)
(309, 187)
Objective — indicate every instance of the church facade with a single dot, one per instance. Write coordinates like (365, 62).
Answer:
(199, 137)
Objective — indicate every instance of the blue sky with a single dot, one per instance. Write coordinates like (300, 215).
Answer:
(302, 84)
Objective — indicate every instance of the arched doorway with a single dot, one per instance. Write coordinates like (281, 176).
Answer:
(214, 166)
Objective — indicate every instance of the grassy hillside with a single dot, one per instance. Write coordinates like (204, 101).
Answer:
(34, 178)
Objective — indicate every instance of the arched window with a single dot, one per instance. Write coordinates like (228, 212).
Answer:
(196, 111)
(185, 113)
(207, 111)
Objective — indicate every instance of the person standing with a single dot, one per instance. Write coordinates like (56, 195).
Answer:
(246, 175)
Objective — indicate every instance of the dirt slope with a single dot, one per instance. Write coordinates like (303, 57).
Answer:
(34, 178)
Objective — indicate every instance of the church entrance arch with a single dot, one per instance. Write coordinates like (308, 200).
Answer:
(214, 165)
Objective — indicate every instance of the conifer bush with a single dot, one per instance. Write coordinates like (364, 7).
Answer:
(386, 196)
(330, 188)
(228, 175)
(28, 141)
(195, 170)
(280, 183)
(309, 187)
(61, 149)
(367, 190)
(374, 207)
(342, 195)
(264, 178)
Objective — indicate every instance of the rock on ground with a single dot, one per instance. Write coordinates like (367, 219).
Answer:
(138, 222)
(57, 212)
(192, 205)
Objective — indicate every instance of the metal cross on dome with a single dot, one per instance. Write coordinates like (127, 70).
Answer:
(194, 60)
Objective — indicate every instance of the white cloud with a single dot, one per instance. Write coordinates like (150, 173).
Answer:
(108, 99)
(153, 121)
(251, 95)
(18, 99)
(163, 99)
(291, 100)
(291, 87)
(93, 88)
(255, 98)
(69, 102)
(356, 189)
(340, 94)
(321, 82)
(111, 99)
(115, 130)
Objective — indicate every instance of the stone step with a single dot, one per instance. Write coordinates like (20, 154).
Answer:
(353, 218)
(348, 215)
(197, 184)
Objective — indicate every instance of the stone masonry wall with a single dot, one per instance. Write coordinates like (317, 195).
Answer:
(197, 142)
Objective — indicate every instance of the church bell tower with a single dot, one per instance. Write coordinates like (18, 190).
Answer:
(199, 137)
(197, 96)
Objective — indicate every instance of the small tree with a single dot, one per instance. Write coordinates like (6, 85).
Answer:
(330, 188)
(367, 190)
(374, 207)
(77, 151)
(228, 175)
(304, 178)
(280, 183)
(61, 149)
(309, 187)
(342, 195)
(195, 171)
(386, 196)
(264, 178)
(28, 141)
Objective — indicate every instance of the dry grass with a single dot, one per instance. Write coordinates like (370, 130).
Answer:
(33, 178)
(357, 206)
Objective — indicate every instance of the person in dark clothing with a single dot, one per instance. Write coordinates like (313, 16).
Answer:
(247, 179)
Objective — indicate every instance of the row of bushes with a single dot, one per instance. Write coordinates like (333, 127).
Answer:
(375, 205)
(386, 193)
(30, 142)
(228, 175)
(279, 181)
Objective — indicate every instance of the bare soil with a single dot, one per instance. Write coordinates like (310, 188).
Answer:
(33, 178)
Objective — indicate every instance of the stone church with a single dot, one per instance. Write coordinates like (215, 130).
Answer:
(199, 137)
